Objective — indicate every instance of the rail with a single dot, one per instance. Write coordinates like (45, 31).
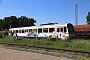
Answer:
(46, 49)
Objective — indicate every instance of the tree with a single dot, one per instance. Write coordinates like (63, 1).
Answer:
(25, 21)
(88, 18)
(32, 21)
(1, 24)
(10, 22)
(14, 22)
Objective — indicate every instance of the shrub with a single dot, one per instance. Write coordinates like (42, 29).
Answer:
(11, 33)
(5, 34)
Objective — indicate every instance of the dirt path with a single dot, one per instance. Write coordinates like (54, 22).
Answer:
(9, 54)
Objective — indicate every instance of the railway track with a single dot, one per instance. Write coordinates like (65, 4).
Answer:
(45, 49)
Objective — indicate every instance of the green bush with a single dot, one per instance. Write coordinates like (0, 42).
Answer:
(11, 33)
(5, 34)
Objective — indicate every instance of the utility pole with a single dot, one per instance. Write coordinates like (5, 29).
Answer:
(76, 14)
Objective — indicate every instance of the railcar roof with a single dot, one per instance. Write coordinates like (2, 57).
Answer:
(44, 26)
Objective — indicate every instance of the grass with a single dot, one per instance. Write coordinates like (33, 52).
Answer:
(81, 45)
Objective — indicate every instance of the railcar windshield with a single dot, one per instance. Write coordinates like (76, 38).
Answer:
(70, 27)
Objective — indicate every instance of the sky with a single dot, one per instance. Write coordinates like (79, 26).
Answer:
(44, 11)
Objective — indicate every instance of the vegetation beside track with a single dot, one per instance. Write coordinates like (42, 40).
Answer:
(80, 45)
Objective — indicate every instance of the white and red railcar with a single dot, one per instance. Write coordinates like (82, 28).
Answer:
(57, 30)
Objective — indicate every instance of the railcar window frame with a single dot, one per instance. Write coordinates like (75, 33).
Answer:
(65, 30)
(39, 30)
(16, 31)
(35, 30)
(57, 29)
(30, 30)
(52, 29)
(26, 30)
(45, 30)
(22, 31)
(19, 31)
(60, 29)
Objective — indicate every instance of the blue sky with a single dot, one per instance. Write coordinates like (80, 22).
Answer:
(60, 11)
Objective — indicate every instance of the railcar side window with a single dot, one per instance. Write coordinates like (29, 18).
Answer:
(51, 29)
(45, 30)
(40, 30)
(26, 30)
(30, 30)
(16, 31)
(22, 31)
(19, 31)
(35, 30)
(65, 29)
(59, 29)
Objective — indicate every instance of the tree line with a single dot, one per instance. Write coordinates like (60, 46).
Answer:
(88, 18)
(14, 22)
(23, 21)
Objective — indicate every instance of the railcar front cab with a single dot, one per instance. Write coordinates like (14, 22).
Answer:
(70, 30)
(64, 31)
